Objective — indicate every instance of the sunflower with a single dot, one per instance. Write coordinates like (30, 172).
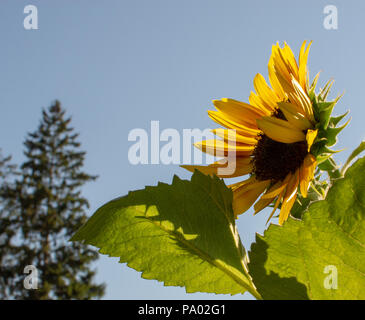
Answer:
(279, 137)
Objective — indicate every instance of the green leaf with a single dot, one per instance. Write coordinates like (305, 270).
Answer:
(270, 284)
(332, 234)
(183, 234)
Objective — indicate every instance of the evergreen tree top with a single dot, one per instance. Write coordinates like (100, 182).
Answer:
(49, 207)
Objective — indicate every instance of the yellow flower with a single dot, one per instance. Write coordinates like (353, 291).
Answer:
(273, 137)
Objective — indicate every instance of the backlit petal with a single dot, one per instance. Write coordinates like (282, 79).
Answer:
(229, 134)
(303, 59)
(289, 198)
(230, 123)
(244, 197)
(310, 137)
(243, 166)
(280, 130)
(223, 149)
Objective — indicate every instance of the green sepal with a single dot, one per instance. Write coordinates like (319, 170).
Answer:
(331, 168)
(322, 158)
(335, 120)
(325, 149)
(331, 134)
(327, 165)
(311, 91)
(314, 101)
(322, 96)
(325, 111)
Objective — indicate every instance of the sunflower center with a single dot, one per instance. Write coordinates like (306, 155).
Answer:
(274, 160)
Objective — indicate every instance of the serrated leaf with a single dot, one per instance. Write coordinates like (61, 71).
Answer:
(183, 234)
(332, 233)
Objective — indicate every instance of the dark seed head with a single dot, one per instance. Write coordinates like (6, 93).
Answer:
(274, 160)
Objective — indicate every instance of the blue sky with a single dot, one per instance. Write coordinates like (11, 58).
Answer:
(117, 65)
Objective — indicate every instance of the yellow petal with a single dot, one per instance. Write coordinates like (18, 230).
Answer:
(236, 185)
(285, 84)
(294, 117)
(223, 149)
(243, 167)
(284, 65)
(289, 198)
(290, 60)
(304, 183)
(243, 106)
(244, 197)
(262, 204)
(280, 130)
(253, 184)
(230, 123)
(239, 112)
(291, 108)
(275, 190)
(310, 137)
(229, 134)
(284, 62)
(279, 64)
(307, 173)
(277, 202)
(278, 189)
(303, 58)
(275, 82)
(265, 92)
(300, 98)
(257, 101)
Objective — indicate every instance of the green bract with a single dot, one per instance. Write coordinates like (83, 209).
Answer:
(327, 125)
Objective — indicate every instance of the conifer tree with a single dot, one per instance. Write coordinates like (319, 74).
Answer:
(9, 225)
(50, 208)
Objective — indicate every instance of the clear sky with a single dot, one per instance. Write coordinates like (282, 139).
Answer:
(117, 65)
